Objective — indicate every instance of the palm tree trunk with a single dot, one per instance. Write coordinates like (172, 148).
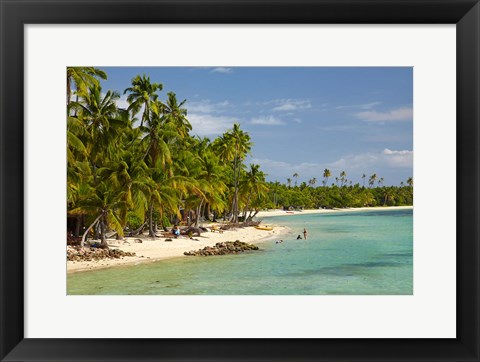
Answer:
(97, 231)
(232, 211)
(138, 231)
(250, 217)
(69, 90)
(151, 233)
(245, 210)
(82, 243)
(206, 211)
(235, 194)
(197, 214)
(103, 241)
(78, 225)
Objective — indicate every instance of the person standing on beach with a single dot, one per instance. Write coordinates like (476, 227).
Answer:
(305, 234)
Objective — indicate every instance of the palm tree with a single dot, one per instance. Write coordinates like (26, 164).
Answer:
(214, 175)
(388, 196)
(103, 125)
(326, 175)
(380, 182)
(142, 93)
(83, 78)
(372, 179)
(157, 156)
(106, 202)
(253, 185)
(176, 115)
(234, 146)
(410, 181)
(363, 178)
(99, 181)
(343, 178)
(289, 182)
(205, 175)
(295, 176)
(276, 186)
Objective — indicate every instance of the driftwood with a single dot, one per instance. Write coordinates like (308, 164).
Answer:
(193, 230)
(137, 231)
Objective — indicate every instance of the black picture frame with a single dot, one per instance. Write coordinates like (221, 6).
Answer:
(17, 13)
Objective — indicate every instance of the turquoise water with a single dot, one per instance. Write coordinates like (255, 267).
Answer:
(348, 253)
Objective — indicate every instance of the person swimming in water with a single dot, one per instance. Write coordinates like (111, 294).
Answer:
(305, 234)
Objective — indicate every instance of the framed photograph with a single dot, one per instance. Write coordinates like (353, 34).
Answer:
(286, 134)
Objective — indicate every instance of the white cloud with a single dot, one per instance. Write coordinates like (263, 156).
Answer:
(122, 102)
(403, 159)
(384, 163)
(271, 164)
(291, 104)
(281, 167)
(267, 120)
(386, 151)
(208, 118)
(399, 114)
(280, 170)
(361, 106)
(222, 70)
(206, 106)
(209, 125)
(297, 120)
(371, 161)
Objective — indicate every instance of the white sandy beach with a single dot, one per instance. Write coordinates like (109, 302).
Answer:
(153, 250)
(268, 213)
(157, 249)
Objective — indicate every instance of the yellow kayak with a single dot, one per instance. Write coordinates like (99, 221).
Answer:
(267, 228)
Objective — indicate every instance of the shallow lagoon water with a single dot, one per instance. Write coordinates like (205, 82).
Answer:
(347, 253)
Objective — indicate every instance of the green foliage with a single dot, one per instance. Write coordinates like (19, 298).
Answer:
(284, 196)
(133, 221)
(123, 171)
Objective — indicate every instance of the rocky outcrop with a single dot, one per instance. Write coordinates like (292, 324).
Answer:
(77, 253)
(225, 248)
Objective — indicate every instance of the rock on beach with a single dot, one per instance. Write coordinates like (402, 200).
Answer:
(224, 248)
(77, 253)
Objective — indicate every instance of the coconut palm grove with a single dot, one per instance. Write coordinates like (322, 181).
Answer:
(142, 168)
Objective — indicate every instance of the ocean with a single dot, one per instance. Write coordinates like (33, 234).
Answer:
(346, 253)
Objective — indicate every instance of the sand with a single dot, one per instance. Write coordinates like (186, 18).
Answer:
(150, 250)
(267, 213)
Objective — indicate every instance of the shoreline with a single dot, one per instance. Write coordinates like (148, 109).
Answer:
(277, 212)
(153, 250)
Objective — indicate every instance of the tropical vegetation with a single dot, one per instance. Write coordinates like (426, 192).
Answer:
(340, 194)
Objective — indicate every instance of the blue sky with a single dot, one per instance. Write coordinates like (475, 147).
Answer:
(300, 119)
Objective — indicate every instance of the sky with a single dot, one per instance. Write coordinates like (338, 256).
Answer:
(300, 119)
